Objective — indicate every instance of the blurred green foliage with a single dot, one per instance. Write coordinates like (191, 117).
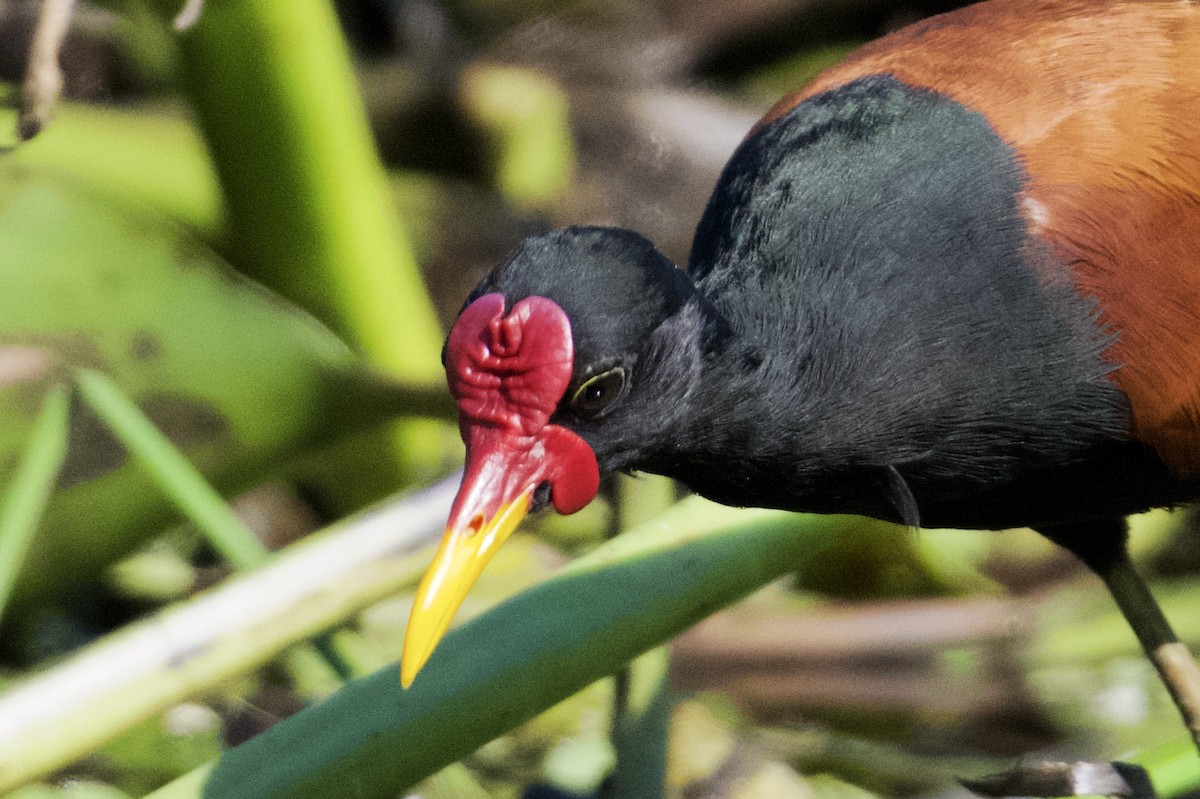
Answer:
(89, 283)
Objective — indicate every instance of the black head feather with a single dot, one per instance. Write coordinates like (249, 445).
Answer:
(630, 307)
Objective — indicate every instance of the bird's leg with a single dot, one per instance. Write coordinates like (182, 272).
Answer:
(1169, 655)
(1101, 545)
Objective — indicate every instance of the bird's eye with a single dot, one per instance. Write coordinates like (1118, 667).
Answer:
(596, 393)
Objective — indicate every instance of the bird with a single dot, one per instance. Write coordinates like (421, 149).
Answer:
(951, 282)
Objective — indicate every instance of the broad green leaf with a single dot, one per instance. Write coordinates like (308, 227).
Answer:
(235, 377)
(149, 156)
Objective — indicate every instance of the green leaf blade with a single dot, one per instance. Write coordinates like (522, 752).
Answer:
(374, 739)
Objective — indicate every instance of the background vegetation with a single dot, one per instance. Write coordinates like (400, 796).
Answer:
(225, 265)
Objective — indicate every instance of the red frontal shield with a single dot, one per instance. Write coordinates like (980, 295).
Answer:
(508, 374)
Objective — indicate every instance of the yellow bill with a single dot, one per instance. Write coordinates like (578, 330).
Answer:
(464, 551)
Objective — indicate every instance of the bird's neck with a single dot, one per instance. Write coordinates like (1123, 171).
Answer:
(738, 442)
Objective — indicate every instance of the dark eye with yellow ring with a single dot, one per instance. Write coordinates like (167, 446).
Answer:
(596, 393)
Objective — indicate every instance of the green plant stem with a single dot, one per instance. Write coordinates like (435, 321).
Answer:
(175, 475)
(277, 99)
(641, 696)
(25, 500)
(309, 204)
(67, 710)
(641, 726)
(191, 493)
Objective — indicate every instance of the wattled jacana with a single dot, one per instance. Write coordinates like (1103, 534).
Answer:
(954, 281)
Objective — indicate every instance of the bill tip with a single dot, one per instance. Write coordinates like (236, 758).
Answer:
(410, 667)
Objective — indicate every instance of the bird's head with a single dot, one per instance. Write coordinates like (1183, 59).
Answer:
(570, 359)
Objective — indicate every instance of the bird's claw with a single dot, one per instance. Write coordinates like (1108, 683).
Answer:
(1077, 778)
